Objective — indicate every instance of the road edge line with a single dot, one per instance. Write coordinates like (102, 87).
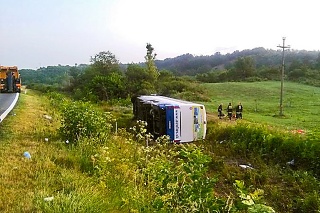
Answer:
(4, 115)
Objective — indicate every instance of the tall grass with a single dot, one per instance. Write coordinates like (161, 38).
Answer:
(279, 161)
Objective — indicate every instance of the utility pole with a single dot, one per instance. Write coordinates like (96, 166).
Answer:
(282, 74)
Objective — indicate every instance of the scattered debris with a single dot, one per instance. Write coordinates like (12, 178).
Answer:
(27, 155)
(67, 141)
(48, 199)
(298, 131)
(48, 117)
(291, 163)
(46, 139)
(246, 166)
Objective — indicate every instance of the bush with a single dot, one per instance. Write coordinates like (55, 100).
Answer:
(179, 181)
(57, 100)
(80, 119)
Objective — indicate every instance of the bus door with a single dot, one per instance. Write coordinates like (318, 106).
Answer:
(173, 122)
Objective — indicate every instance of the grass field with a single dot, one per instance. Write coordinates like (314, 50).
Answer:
(261, 101)
(67, 174)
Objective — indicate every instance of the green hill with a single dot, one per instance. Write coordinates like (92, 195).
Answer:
(261, 101)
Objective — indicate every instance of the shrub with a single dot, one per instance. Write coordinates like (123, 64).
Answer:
(57, 100)
(310, 203)
(179, 181)
(80, 119)
(251, 201)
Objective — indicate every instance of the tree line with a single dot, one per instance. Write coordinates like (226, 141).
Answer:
(301, 66)
(107, 79)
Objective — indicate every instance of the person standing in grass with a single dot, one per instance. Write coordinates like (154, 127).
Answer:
(239, 111)
(229, 110)
(220, 113)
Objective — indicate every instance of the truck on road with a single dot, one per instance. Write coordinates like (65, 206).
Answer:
(10, 81)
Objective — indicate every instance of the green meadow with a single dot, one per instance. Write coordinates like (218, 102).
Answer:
(261, 101)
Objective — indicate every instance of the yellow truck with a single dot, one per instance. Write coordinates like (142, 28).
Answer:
(10, 79)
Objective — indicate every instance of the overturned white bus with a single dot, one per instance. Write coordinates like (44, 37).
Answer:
(183, 121)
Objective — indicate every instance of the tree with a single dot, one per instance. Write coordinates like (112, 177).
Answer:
(165, 75)
(138, 80)
(269, 73)
(108, 87)
(296, 74)
(295, 64)
(151, 66)
(105, 63)
(317, 65)
(244, 67)
(102, 80)
(74, 73)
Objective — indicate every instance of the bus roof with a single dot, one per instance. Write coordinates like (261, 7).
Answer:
(157, 100)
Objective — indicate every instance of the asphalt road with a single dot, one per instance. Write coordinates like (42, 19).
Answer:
(6, 103)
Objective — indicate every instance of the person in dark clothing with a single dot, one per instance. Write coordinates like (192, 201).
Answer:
(220, 113)
(229, 110)
(239, 111)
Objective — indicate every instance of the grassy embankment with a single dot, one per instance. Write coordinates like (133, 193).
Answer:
(58, 170)
(52, 171)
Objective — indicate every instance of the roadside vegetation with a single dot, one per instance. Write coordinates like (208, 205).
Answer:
(116, 172)
(88, 155)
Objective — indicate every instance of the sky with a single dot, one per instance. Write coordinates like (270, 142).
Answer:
(41, 33)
